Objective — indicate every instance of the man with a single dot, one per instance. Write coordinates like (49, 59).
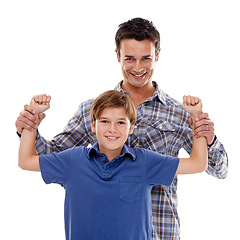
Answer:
(161, 124)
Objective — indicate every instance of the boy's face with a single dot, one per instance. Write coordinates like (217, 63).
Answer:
(112, 129)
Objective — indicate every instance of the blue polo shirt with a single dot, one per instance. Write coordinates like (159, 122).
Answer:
(104, 199)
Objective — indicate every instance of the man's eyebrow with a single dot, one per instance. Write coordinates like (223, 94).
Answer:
(146, 56)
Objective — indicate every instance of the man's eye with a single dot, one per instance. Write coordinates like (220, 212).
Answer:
(146, 59)
(121, 122)
(128, 59)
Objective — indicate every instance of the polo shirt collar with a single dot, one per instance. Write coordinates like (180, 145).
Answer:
(126, 151)
(157, 93)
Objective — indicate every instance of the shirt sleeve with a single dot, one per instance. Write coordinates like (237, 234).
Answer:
(217, 157)
(56, 167)
(76, 133)
(160, 169)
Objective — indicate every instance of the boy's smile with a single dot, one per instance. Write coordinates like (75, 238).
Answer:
(112, 129)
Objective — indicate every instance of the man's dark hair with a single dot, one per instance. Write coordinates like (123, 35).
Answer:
(138, 29)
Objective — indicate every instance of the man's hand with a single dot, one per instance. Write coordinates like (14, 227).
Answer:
(28, 118)
(192, 105)
(203, 127)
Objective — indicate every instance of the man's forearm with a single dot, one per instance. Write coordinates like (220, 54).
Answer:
(217, 160)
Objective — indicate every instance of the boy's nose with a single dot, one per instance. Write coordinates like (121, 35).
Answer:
(112, 128)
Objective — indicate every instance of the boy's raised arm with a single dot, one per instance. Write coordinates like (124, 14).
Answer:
(27, 158)
(198, 160)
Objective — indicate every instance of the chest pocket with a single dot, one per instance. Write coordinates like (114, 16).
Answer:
(159, 136)
(130, 188)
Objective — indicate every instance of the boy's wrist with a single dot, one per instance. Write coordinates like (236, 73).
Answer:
(195, 115)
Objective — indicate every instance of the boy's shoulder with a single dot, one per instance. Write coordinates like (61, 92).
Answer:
(150, 155)
(143, 153)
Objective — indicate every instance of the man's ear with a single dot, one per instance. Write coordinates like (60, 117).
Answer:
(157, 55)
(93, 127)
(118, 57)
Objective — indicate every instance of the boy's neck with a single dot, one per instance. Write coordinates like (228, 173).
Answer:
(111, 154)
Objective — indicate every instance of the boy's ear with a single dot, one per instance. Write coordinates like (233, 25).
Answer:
(93, 127)
(131, 129)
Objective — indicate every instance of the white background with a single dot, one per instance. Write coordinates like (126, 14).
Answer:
(66, 49)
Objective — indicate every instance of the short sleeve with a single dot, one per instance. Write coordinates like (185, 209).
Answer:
(160, 169)
(56, 167)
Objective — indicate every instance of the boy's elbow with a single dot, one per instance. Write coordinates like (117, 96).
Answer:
(203, 167)
(29, 164)
(21, 165)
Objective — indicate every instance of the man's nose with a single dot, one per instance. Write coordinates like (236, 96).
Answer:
(138, 67)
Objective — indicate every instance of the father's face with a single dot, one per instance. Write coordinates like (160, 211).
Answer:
(137, 59)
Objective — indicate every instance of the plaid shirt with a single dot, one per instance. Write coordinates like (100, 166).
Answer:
(162, 126)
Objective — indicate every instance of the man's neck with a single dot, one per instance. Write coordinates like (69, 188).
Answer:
(139, 94)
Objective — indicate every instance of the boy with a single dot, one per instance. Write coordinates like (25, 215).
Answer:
(108, 185)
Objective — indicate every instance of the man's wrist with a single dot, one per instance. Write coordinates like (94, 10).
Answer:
(19, 135)
(214, 140)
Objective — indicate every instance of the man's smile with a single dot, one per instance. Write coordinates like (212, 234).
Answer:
(139, 75)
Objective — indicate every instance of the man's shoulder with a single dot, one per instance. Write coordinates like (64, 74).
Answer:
(87, 104)
(84, 108)
(172, 103)
(169, 100)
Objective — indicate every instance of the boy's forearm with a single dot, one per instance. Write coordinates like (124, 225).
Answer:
(199, 152)
(27, 158)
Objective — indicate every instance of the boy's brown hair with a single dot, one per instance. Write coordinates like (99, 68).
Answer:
(113, 98)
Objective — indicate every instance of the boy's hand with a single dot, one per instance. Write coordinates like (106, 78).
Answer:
(40, 103)
(192, 105)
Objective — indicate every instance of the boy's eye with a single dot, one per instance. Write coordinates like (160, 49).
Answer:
(104, 121)
(121, 122)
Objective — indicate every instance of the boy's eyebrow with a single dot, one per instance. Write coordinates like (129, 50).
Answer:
(117, 119)
(122, 118)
